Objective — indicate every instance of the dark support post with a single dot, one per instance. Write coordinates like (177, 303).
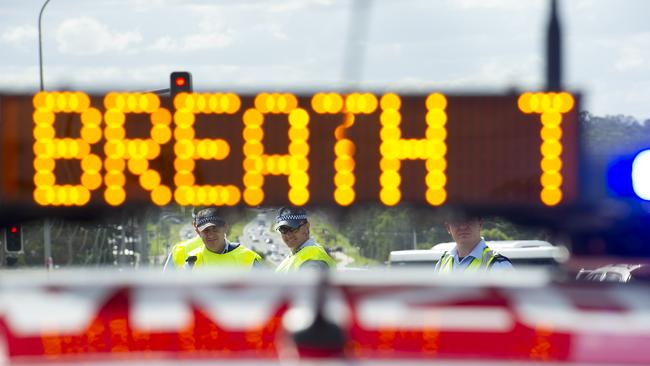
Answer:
(553, 51)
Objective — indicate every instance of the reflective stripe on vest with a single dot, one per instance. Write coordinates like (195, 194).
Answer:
(309, 253)
(181, 250)
(488, 256)
(238, 257)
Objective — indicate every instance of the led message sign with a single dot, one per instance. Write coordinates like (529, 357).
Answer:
(70, 149)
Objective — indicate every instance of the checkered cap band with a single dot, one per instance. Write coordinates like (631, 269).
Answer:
(210, 219)
(291, 217)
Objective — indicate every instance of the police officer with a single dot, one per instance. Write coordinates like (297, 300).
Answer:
(216, 250)
(178, 254)
(470, 254)
(292, 224)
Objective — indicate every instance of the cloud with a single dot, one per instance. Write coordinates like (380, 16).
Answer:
(488, 74)
(286, 6)
(491, 4)
(19, 78)
(206, 41)
(193, 42)
(87, 36)
(634, 54)
(497, 70)
(277, 31)
(21, 36)
(165, 43)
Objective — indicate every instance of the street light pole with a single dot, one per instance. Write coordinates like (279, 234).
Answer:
(40, 44)
(47, 244)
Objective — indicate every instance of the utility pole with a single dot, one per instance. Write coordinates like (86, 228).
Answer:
(553, 51)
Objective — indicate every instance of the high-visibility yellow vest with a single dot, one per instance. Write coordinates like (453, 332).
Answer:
(308, 253)
(181, 250)
(483, 263)
(238, 257)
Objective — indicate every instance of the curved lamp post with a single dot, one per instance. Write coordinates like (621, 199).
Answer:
(40, 44)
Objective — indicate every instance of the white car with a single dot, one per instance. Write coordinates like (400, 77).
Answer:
(520, 253)
(615, 273)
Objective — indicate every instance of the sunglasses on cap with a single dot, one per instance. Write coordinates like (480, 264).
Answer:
(288, 229)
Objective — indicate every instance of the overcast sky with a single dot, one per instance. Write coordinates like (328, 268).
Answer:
(443, 45)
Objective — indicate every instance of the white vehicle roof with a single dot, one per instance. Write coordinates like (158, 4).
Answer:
(416, 255)
(513, 249)
(501, 244)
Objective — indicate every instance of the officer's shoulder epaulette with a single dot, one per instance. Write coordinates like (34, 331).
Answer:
(498, 258)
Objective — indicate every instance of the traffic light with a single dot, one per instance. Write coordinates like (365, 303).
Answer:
(180, 81)
(14, 239)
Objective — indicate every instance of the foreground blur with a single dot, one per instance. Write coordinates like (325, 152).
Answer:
(367, 316)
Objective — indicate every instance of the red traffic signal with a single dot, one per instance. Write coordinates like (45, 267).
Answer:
(14, 239)
(179, 82)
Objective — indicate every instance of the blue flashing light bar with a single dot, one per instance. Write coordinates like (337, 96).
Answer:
(641, 175)
(629, 176)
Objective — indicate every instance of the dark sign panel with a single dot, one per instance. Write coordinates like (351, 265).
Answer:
(69, 149)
